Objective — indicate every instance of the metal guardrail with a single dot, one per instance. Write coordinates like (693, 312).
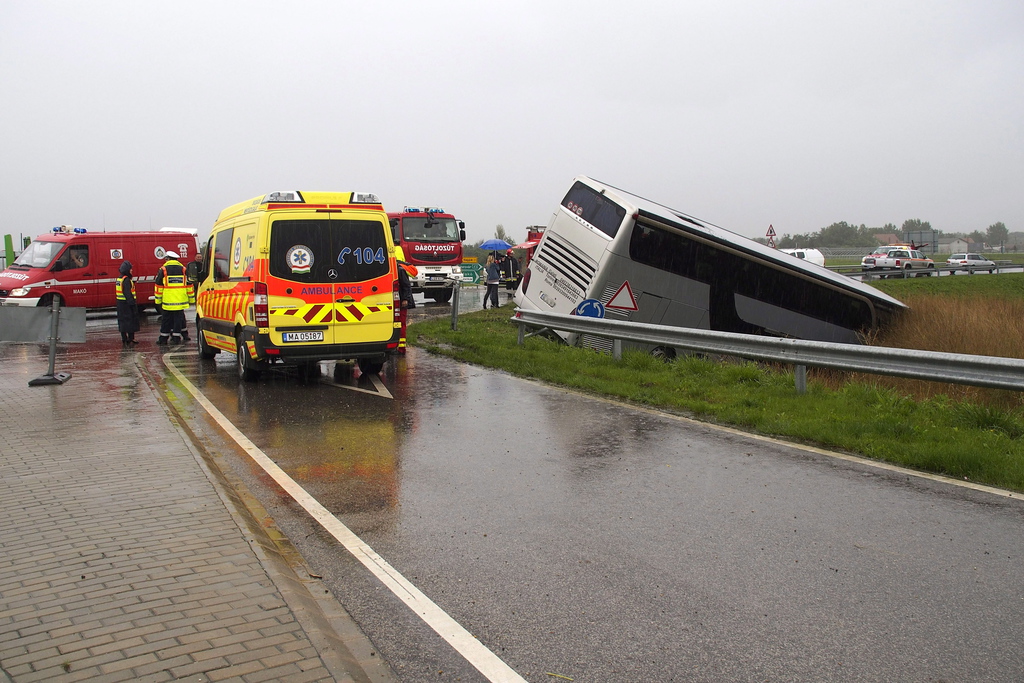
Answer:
(855, 270)
(957, 368)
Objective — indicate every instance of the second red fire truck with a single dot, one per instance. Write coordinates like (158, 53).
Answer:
(432, 241)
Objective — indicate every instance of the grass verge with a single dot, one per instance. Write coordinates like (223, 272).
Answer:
(960, 438)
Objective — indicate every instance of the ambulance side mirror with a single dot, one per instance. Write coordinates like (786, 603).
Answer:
(462, 231)
(192, 271)
(57, 267)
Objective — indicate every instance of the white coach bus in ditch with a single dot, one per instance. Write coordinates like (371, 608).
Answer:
(610, 253)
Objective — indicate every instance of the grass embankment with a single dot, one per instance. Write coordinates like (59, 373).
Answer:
(972, 434)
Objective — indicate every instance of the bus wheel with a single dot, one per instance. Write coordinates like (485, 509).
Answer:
(46, 301)
(247, 370)
(665, 353)
(370, 367)
(205, 350)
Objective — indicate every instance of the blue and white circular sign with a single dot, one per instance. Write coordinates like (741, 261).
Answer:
(590, 308)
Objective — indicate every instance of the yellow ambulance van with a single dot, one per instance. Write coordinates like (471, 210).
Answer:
(295, 278)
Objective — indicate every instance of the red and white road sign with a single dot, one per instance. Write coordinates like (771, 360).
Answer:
(623, 299)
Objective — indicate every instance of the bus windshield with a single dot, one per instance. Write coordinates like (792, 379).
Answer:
(430, 230)
(594, 208)
(38, 254)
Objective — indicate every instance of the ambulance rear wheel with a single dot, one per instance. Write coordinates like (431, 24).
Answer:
(370, 367)
(247, 370)
(205, 350)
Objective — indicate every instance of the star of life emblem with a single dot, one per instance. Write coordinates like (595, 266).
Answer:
(299, 258)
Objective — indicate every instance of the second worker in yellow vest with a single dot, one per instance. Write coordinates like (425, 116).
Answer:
(174, 295)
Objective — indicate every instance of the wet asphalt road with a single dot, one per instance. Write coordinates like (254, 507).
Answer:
(577, 537)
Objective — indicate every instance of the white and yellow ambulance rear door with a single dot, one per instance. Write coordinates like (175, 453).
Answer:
(329, 279)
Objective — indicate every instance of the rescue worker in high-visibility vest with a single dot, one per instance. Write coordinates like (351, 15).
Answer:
(405, 272)
(174, 294)
(127, 309)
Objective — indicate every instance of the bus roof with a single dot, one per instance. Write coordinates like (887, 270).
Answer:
(737, 242)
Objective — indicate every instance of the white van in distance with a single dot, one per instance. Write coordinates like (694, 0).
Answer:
(812, 255)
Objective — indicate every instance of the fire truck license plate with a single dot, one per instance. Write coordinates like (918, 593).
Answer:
(302, 336)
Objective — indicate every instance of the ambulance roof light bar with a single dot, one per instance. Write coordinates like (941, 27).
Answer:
(288, 197)
(365, 198)
(68, 230)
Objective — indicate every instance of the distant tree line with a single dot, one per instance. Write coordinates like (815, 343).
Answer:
(842, 234)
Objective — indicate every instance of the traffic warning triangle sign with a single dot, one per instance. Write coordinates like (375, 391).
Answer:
(623, 299)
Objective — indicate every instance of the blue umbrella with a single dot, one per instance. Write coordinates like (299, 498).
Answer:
(495, 245)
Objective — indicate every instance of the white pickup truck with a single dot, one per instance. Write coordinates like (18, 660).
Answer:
(899, 258)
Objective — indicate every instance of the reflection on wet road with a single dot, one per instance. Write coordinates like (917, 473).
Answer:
(341, 445)
(605, 543)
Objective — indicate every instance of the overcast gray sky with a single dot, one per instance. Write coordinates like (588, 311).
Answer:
(130, 115)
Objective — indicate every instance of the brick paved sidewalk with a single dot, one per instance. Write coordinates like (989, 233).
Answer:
(119, 559)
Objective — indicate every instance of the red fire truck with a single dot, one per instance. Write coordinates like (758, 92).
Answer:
(534, 233)
(432, 241)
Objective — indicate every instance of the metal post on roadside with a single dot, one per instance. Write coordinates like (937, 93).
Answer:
(50, 377)
(456, 288)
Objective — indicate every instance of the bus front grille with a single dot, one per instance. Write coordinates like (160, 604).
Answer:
(568, 261)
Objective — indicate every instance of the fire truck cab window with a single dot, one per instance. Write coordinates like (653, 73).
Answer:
(77, 256)
(434, 230)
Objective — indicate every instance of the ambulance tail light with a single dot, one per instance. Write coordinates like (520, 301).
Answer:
(261, 305)
(396, 301)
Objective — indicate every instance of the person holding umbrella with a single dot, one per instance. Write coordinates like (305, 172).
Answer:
(492, 273)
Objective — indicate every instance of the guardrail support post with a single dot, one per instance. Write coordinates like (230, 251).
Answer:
(522, 333)
(800, 373)
(617, 349)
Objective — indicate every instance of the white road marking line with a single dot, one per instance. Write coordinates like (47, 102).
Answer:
(382, 390)
(471, 649)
